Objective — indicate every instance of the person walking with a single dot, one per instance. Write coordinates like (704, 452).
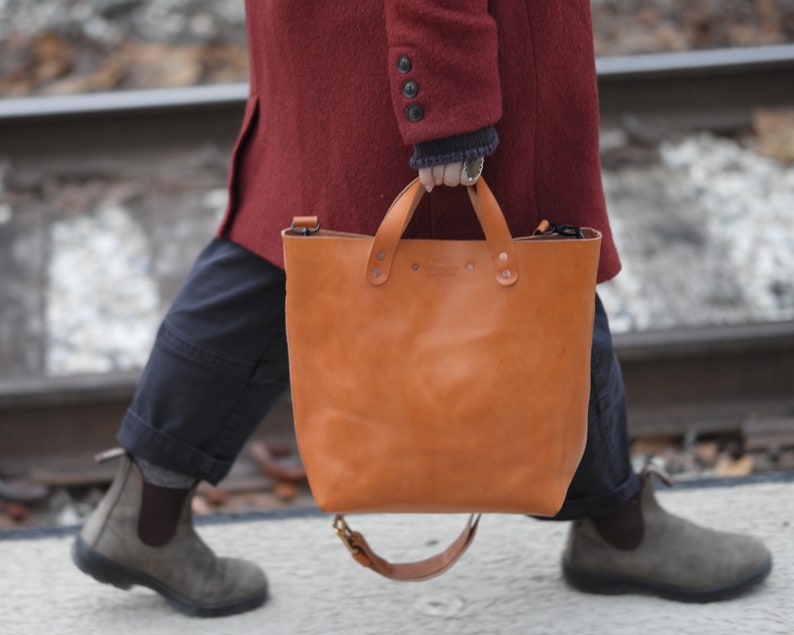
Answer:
(348, 102)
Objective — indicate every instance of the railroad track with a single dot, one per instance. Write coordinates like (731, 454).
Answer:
(681, 382)
(715, 90)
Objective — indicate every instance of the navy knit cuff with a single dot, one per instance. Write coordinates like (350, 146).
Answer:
(462, 147)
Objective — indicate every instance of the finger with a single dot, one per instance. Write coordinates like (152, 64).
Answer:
(438, 174)
(426, 178)
(452, 173)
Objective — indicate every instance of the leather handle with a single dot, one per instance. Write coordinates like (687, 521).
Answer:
(492, 221)
(406, 571)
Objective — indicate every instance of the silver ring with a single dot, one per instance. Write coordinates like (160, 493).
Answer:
(472, 169)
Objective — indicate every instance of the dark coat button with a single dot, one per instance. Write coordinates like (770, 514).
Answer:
(414, 112)
(404, 64)
(410, 89)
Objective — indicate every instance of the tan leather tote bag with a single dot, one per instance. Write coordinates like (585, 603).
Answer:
(439, 376)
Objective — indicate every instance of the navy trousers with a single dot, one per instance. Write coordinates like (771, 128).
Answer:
(219, 364)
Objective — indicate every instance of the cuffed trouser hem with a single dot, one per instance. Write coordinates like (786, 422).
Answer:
(144, 441)
(218, 364)
(590, 506)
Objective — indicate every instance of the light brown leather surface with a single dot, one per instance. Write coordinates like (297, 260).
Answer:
(440, 383)
(407, 571)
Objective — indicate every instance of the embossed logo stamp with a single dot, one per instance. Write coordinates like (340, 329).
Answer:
(442, 267)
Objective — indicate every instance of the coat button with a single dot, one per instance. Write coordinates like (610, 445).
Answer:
(414, 112)
(404, 64)
(410, 89)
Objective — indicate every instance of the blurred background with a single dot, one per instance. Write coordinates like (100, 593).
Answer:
(117, 118)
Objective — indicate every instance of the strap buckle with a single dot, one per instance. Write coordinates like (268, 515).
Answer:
(305, 225)
(572, 231)
(345, 535)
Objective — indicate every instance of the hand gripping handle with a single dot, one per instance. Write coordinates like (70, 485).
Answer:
(492, 221)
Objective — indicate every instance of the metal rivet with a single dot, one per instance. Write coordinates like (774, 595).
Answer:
(415, 266)
(503, 256)
(506, 273)
(376, 273)
(380, 255)
(469, 267)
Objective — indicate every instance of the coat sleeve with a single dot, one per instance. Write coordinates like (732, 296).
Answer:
(443, 67)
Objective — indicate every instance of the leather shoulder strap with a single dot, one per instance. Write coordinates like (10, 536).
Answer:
(406, 571)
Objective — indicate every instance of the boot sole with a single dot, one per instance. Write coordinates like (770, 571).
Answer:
(108, 572)
(606, 584)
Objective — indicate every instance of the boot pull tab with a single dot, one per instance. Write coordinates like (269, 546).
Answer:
(651, 469)
(109, 455)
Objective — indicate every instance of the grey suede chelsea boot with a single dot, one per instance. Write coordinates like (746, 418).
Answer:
(661, 554)
(143, 534)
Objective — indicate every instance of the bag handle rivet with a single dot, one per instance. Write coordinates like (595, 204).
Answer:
(376, 273)
(381, 255)
(499, 242)
(506, 273)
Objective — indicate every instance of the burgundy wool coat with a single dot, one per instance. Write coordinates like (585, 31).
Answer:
(330, 124)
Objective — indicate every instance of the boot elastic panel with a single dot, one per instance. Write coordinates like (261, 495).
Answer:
(624, 528)
(161, 508)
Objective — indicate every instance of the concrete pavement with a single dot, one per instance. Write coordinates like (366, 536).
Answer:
(509, 581)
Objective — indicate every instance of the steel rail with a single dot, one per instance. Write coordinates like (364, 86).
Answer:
(706, 380)
(726, 60)
(147, 100)
(680, 382)
(715, 89)
(646, 67)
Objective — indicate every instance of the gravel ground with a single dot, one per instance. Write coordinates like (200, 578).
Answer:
(73, 46)
(705, 229)
(640, 26)
(67, 46)
(706, 234)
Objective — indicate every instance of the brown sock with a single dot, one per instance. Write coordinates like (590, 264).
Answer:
(161, 508)
(623, 528)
